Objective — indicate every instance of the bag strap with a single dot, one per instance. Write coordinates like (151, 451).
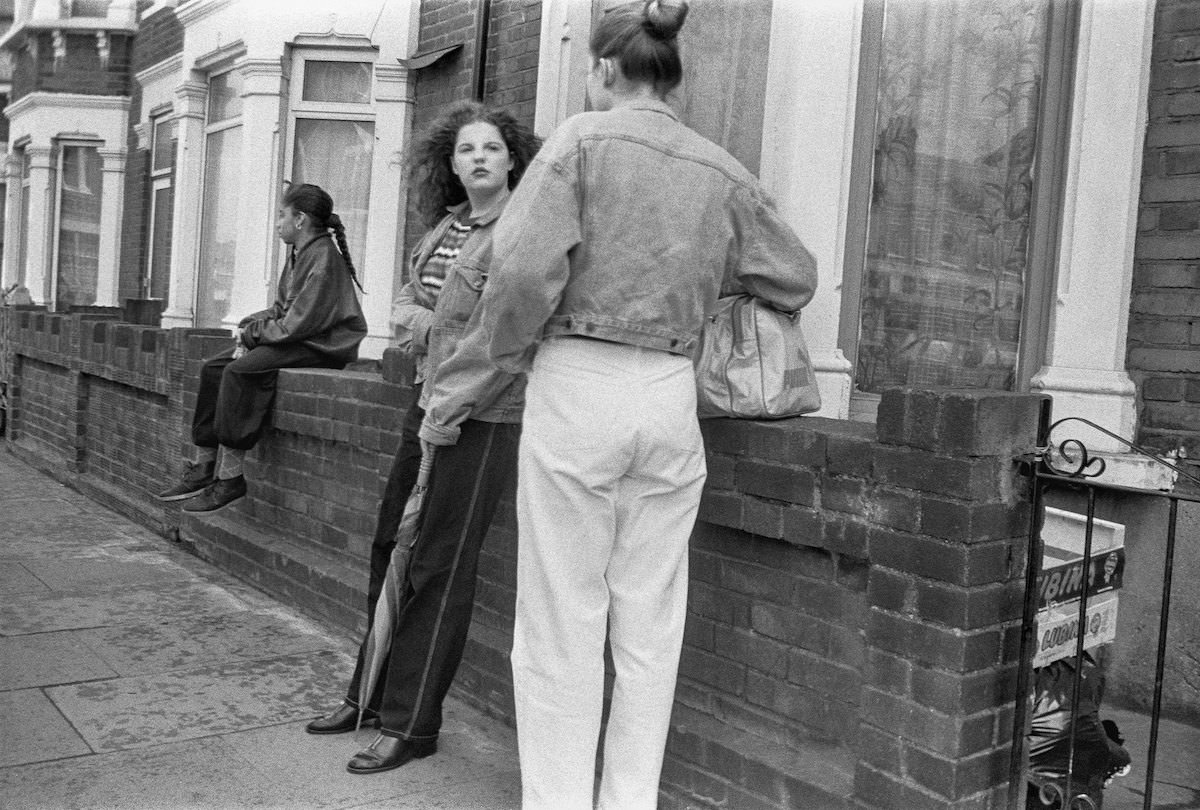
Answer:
(735, 315)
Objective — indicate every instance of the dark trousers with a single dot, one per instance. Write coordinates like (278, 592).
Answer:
(235, 396)
(431, 631)
(400, 482)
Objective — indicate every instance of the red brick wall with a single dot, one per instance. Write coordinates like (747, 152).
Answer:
(855, 590)
(1164, 324)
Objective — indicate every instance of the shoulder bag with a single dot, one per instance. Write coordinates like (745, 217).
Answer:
(753, 363)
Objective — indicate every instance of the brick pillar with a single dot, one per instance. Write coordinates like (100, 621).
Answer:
(944, 598)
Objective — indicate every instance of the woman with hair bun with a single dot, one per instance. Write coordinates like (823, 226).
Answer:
(624, 232)
(315, 322)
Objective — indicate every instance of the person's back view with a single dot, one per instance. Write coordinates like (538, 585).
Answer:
(624, 231)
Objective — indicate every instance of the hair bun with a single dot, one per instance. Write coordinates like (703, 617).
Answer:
(664, 18)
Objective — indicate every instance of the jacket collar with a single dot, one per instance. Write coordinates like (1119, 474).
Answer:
(646, 103)
(460, 211)
(306, 241)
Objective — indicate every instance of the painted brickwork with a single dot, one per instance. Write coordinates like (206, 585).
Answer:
(1164, 326)
(854, 595)
(79, 71)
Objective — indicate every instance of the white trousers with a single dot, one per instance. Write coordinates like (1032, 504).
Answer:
(611, 471)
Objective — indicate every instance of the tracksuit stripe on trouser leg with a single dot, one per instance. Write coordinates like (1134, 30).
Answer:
(431, 653)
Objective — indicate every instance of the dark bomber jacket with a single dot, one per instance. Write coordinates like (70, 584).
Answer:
(315, 305)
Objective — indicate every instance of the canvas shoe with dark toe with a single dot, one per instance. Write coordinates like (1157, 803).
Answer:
(221, 492)
(193, 482)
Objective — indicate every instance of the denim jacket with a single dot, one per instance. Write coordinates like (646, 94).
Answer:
(460, 381)
(627, 226)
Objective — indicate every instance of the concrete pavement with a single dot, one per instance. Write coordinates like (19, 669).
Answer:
(135, 676)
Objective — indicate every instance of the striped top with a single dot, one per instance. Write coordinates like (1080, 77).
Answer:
(433, 274)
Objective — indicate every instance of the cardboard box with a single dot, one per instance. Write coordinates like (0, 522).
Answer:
(1058, 628)
(1066, 575)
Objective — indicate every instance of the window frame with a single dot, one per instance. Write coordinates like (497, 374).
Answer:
(298, 108)
(160, 180)
(58, 181)
(210, 128)
(1054, 126)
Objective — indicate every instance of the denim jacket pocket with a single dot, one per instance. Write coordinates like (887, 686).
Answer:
(460, 294)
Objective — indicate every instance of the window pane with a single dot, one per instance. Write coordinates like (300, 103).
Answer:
(78, 227)
(164, 145)
(336, 155)
(951, 187)
(337, 81)
(218, 236)
(160, 243)
(224, 96)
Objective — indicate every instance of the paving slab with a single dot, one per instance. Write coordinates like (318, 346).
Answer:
(310, 770)
(47, 659)
(33, 537)
(135, 676)
(42, 614)
(17, 486)
(1176, 766)
(17, 579)
(500, 792)
(145, 648)
(28, 510)
(100, 570)
(34, 730)
(193, 775)
(187, 704)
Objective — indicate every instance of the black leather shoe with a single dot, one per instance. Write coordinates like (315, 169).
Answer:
(387, 753)
(342, 719)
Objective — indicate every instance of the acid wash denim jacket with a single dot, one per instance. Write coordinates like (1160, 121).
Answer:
(577, 252)
(460, 382)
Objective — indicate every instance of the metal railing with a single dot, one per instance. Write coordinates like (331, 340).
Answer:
(1068, 464)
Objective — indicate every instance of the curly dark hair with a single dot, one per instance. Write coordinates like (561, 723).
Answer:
(436, 185)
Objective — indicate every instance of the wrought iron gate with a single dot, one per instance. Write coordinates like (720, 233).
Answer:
(1067, 464)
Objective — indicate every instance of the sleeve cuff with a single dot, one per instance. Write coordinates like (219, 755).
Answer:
(440, 435)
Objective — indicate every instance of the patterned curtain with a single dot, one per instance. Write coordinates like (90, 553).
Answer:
(951, 189)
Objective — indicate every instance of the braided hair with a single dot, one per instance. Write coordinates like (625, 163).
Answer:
(316, 202)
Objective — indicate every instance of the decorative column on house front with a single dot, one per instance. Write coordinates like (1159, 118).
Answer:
(808, 131)
(1084, 367)
(113, 195)
(261, 189)
(13, 271)
(38, 241)
(190, 98)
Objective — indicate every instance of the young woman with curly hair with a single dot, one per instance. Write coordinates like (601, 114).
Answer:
(464, 168)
